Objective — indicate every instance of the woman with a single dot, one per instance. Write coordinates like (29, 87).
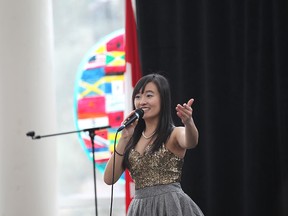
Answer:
(153, 150)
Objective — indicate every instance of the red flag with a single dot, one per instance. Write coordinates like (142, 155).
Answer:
(131, 40)
(133, 72)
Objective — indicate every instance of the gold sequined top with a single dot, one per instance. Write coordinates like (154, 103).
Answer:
(158, 168)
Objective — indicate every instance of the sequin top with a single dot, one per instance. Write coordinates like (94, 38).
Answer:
(158, 168)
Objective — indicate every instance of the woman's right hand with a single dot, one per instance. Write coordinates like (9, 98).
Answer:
(128, 131)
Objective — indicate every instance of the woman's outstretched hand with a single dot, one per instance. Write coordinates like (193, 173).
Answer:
(184, 112)
(188, 137)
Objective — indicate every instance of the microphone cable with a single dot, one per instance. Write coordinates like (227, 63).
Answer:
(113, 173)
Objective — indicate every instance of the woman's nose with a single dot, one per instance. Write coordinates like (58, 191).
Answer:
(142, 101)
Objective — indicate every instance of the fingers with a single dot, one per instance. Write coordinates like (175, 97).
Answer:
(129, 126)
(186, 107)
(128, 116)
(185, 111)
(190, 102)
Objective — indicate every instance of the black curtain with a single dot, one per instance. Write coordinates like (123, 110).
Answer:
(231, 57)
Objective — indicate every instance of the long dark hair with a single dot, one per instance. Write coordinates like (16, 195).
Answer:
(165, 125)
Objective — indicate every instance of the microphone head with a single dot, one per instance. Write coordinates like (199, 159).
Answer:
(140, 112)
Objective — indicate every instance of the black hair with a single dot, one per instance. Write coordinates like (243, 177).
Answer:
(165, 124)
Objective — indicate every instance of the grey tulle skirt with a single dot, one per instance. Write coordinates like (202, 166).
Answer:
(163, 200)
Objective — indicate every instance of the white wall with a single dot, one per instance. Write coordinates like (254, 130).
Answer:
(27, 167)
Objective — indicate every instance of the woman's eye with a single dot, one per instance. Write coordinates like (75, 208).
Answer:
(149, 95)
(137, 96)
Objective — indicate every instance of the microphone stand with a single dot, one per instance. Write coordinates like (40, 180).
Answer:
(92, 136)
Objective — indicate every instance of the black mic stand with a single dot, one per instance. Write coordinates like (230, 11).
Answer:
(92, 136)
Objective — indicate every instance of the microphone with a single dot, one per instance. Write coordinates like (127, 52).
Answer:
(137, 115)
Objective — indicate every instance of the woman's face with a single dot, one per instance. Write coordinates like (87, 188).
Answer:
(149, 101)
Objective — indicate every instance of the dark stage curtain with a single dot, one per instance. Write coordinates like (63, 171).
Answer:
(231, 57)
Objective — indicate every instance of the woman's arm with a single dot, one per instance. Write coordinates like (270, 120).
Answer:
(108, 173)
(187, 137)
(127, 133)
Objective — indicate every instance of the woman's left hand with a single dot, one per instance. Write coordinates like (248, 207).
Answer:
(184, 112)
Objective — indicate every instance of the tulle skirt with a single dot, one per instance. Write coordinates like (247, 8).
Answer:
(163, 200)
